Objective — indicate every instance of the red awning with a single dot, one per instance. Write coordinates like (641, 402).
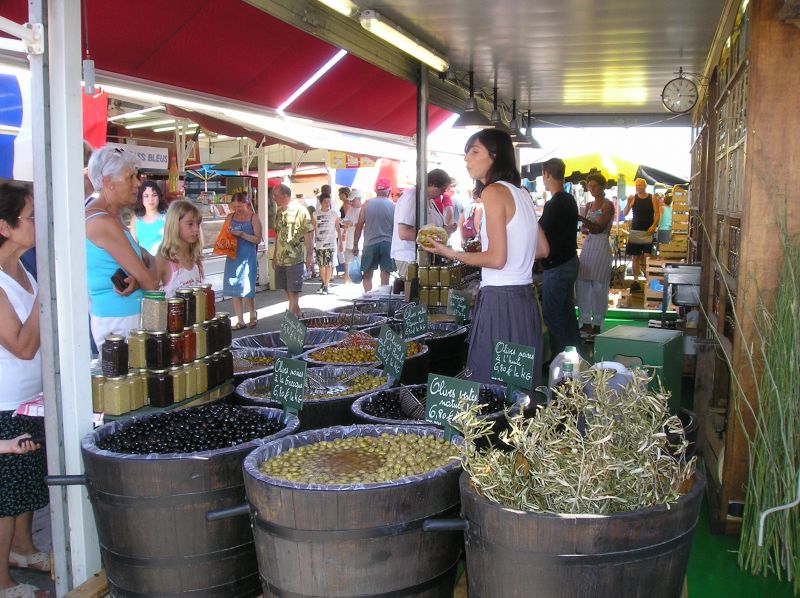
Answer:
(231, 49)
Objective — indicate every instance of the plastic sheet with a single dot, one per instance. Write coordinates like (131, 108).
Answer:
(328, 375)
(272, 340)
(240, 356)
(307, 357)
(278, 446)
(343, 321)
(89, 442)
(380, 306)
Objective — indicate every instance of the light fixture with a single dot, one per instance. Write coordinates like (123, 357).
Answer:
(151, 123)
(389, 32)
(343, 7)
(133, 114)
(497, 121)
(516, 136)
(312, 79)
(529, 134)
(471, 117)
(173, 127)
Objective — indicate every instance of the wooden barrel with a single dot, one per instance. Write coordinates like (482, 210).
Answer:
(150, 512)
(516, 554)
(355, 541)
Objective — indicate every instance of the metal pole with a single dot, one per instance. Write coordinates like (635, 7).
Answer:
(263, 213)
(422, 146)
(62, 288)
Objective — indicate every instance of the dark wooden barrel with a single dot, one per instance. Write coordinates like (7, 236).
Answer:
(317, 413)
(150, 512)
(354, 541)
(517, 554)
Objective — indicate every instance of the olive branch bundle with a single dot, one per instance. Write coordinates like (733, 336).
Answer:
(592, 451)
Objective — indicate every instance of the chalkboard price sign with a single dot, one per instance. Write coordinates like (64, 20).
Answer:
(415, 321)
(289, 383)
(444, 397)
(293, 333)
(392, 351)
(458, 305)
(513, 364)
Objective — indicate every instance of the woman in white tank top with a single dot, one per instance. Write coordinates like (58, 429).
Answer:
(506, 308)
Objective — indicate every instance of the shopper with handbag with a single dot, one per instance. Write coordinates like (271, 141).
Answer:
(646, 212)
(239, 281)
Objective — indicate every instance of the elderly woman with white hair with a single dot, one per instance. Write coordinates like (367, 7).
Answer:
(110, 246)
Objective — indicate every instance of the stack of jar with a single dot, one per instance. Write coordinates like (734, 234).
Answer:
(436, 281)
(187, 356)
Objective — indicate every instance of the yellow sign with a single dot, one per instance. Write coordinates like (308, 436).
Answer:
(344, 160)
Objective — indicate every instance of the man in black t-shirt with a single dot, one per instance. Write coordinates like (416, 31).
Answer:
(559, 222)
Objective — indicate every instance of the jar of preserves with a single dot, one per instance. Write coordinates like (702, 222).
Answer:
(444, 276)
(176, 349)
(191, 380)
(98, 380)
(424, 275)
(143, 381)
(211, 301)
(226, 330)
(191, 305)
(424, 295)
(213, 331)
(212, 369)
(412, 271)
(176, 315)
(433, 276)
(114, 356)
(202, 375)
(136, 349)
(116, 395)
(153, 311)
(138, 390)
(443, 296)
(178, 384)
(200, 341)
(226, 364)
(200, 304)
(156, 350)
(159, 388)
(189, 345)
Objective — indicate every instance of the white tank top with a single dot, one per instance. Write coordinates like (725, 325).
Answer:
(181, 277)
(20, 379)
(326, 229)
(521, 233)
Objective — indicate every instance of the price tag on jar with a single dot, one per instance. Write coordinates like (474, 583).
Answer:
(458, 305)
(293, 333)
(415, 321)
(392, 351)
(513, 364)
(289, 384)
(443, 399)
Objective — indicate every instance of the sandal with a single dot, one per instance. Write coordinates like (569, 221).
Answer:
(38, 561)
(23, 590)
(239, 326)
(253, 321)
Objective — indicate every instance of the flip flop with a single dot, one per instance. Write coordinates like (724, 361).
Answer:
(22, 590)
(239, 326)
(38, 561)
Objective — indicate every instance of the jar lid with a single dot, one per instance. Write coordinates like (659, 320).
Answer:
(199, 325)
(96, 376)
(184, 291)
(176, 368)
(175, 334)
(175, 300)
(114, 338)
(200, 361)
(206, 285)
(188, 329)
(157, 332)
(157, 371)
(117, 378)
(137, 332)
(157, 295)
(196, 289)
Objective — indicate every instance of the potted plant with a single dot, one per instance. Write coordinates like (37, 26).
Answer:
(591, 500)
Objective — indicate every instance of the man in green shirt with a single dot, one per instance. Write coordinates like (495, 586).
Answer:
(293, 240)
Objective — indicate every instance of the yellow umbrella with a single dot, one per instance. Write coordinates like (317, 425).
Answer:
(610, 166)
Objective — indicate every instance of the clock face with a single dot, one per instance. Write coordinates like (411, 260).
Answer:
(679, 95)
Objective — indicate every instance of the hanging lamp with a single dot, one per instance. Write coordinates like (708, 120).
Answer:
(516, 136)
(471, 117)
(497, 121)
(529, 134)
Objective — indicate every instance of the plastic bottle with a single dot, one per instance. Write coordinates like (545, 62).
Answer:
(566, 363)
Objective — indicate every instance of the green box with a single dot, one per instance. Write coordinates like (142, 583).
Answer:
(632, 345)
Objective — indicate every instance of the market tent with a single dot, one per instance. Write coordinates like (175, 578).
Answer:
(654, 176)
(578, 167)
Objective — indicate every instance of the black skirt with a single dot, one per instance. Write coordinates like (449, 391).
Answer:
(22, 483)
(508, 314)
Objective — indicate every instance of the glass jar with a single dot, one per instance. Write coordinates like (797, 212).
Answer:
(98, 382)
(156, 350)
(178, 384)
(136, 349)
(200, 304)
(159, 388)
(191, 305)
(444, 292)
(202, 375)
(226, 330)
(143, 381)
(176, 349)
(424, 296)
(412, 271)
(138, 390)
(211, 301)
(114, 356)
(213, 330)
(444, 276)
(153, 311)
(176, 315)
(200, 341)
(116, 395)
(226, 364)
(212, 365)
(191, 380)
(424, 275)
(189, 345)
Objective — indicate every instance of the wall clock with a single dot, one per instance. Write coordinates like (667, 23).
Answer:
(679, 95)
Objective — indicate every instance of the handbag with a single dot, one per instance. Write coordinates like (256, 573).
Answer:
(226, 244)
(468, 228)
(354, 270)
(640, 237)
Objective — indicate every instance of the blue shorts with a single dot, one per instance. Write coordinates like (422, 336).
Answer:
(377, 255)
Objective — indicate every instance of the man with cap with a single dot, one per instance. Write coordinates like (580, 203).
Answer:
(375, 221)
(349, 227)
(404, 232)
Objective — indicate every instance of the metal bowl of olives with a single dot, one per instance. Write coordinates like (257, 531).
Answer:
(248, 363)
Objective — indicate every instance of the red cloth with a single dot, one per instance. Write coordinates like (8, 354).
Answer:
(442, 202)
(95, 119)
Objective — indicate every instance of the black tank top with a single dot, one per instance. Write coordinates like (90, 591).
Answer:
(643, 214)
